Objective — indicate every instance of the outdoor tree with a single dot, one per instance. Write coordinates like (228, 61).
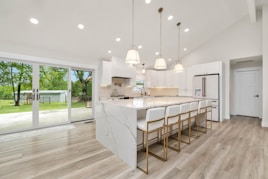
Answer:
(53, 78)
(85, 78)
(16, 75)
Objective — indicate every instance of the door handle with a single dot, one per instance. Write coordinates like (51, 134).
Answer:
(256, 96)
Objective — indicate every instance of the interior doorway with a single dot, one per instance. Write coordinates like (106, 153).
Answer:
(246, 87)
(247, 92)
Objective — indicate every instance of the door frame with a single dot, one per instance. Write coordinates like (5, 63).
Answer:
(236, 92)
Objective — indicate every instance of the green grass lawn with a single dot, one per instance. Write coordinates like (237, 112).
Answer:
(7, 106)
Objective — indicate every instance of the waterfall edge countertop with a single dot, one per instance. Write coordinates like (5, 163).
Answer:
(149, 102)
(116, 123)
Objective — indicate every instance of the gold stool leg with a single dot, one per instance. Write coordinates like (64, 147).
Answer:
(147, 153)
(189, 130)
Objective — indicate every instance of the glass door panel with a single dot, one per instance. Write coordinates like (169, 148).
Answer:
(53, 95)
(15, 96)
(81, 100)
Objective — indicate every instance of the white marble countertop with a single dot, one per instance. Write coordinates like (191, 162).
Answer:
(149, 102)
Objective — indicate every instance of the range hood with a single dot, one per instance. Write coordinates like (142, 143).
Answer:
(122, 77)
(122, 70)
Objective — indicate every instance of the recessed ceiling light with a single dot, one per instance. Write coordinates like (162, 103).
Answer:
(170, 18)
(186, 30)
(169, 59)
(81, 26)
(147, 1)
(185, 49)
(34, 21)
(109, 51)
(156, 53)
(140, 46)
(117, 39)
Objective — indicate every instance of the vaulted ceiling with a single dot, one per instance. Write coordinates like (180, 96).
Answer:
(106, 20)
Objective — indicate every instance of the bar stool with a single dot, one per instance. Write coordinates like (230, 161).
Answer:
(172, 119)
(202, 116)
(193, 116)
(185, 117)
(154, 121)
(209, 111)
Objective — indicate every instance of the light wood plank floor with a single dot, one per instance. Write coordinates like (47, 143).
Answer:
(233, 149)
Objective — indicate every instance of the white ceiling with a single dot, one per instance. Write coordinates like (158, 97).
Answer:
(106, 20)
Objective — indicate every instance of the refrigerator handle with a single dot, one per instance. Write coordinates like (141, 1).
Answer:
(203, 87)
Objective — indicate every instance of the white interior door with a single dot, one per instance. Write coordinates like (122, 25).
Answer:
(247, 93)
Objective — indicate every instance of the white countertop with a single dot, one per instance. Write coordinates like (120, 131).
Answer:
(149, 102)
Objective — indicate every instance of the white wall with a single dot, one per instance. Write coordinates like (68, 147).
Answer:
(242, 39)
(265, 65)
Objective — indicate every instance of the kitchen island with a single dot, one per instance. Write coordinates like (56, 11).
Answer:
(116, 123)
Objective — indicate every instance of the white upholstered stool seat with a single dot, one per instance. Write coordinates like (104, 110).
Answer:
(193, 116)
(202, 116)
(172, 119)
(154, 122)
(185, 118)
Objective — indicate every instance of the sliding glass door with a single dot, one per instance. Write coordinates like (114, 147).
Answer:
(53, 95)
(34, 95)
(15, 96)
(81, 100)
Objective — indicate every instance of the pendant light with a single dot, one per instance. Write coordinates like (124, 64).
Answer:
(160, 62)
(143, 69)
(178, 67)
(132, 54)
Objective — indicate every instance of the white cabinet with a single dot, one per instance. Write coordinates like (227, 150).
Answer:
(121, 69)
(207, 68)
(149, 78)
(213, 67)
(199, 69)
(169, 77)
(166, 79)
(116, 68)
(189, 78)
(106, 73)
(185, 82)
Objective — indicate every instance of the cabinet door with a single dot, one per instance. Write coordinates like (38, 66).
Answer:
(148, 79)
(181, 80)
(189, 78)
(160, 78)
(212, 68)
(175, 80)
(106, 73)
(199, 69)
(169, 79)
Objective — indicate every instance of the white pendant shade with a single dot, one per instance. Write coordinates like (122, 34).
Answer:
(178, 68)
(143, 71)
(160, 64)
(133, 57)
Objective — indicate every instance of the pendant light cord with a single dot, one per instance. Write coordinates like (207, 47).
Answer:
(133, 24)
(160, 11)
(179, 41)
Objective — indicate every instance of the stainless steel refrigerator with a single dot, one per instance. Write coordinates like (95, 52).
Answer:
(208, 87)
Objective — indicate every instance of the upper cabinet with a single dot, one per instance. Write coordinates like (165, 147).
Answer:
(105, 73)
(207, 68)
(116, 68)
(167, 79)
(122, 69)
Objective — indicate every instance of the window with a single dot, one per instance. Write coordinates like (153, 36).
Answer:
(139, 86)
